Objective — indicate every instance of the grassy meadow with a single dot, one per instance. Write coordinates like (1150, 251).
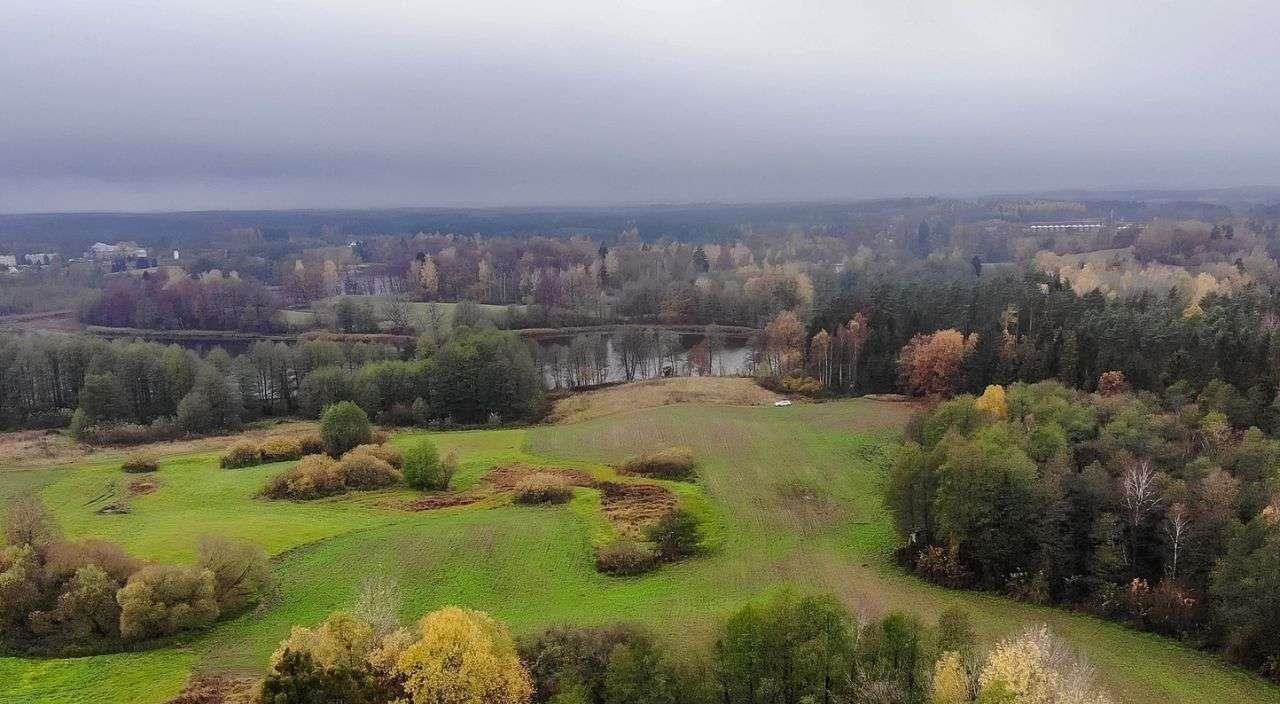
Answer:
(787, 495)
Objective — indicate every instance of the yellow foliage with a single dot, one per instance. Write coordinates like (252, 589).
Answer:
(390, 648)
(950, 682)
(342, 640)
(1038, 668)
(993, 402)
(1017, 665)
(463, 657)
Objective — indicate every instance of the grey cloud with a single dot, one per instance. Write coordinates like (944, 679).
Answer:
(148, 105)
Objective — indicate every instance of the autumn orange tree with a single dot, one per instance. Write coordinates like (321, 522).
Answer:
(929, 364)
(784, 344)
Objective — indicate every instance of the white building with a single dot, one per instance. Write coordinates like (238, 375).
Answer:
(40, 258)
(100, 250)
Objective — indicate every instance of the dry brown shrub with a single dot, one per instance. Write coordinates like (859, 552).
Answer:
(241, 454)
(219, 690)
(360, 470)
(624, 558)
(386, 453)
(139, 462)
(312, 443)
(542, 488)
(280, 448)
(669, 463)
(312, 477)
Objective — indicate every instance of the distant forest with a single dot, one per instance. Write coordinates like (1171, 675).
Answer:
(690, 223)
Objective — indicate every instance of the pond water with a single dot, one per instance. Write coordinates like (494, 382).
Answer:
(602, 362)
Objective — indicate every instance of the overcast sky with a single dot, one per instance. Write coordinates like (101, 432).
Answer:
(179, 105)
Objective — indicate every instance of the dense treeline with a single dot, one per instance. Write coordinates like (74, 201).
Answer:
(46, 378)
(127, 390)
(1151, 510)
(1029, 326)
(788, 649)
(72, 232)
(210, 302)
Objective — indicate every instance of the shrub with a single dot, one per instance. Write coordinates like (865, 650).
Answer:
(139, 462)
(280, 448)
(312, 477)
(671, 463)
(360, 470)
(675, 536)
(241, 571)
(1112, 383)
(343, 426)
(803, 385)
(241, 454)
(129, 433)
(423, 469)
(311, 443)
(624, 558)
(386, 453)
(297, 677)
(79, 424)
(161, 600)
(542, 488)
(448, 468)
(940, 566)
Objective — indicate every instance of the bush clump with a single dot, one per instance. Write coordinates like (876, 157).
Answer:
(123, 433)
(543, 488)
(386, 453)
(139, 462)
(160, 600)
(343, 426)
(675, 536)
(281, 448)
(423, 468)
(671, 463)
(311, 443)
(313, 477)
(360, 470)
(625, 558)
(241, 454)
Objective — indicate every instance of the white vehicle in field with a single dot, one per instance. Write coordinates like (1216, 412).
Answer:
(783, 402)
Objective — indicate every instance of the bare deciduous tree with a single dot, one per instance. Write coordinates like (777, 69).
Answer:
(1141, 497)
(1175, 529)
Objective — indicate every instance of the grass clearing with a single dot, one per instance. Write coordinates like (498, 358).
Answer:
(787, 495)
(733, 391)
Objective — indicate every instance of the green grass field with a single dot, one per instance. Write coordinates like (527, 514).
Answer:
(788, 495)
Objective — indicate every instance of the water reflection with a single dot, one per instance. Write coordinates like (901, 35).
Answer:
(589, 359)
